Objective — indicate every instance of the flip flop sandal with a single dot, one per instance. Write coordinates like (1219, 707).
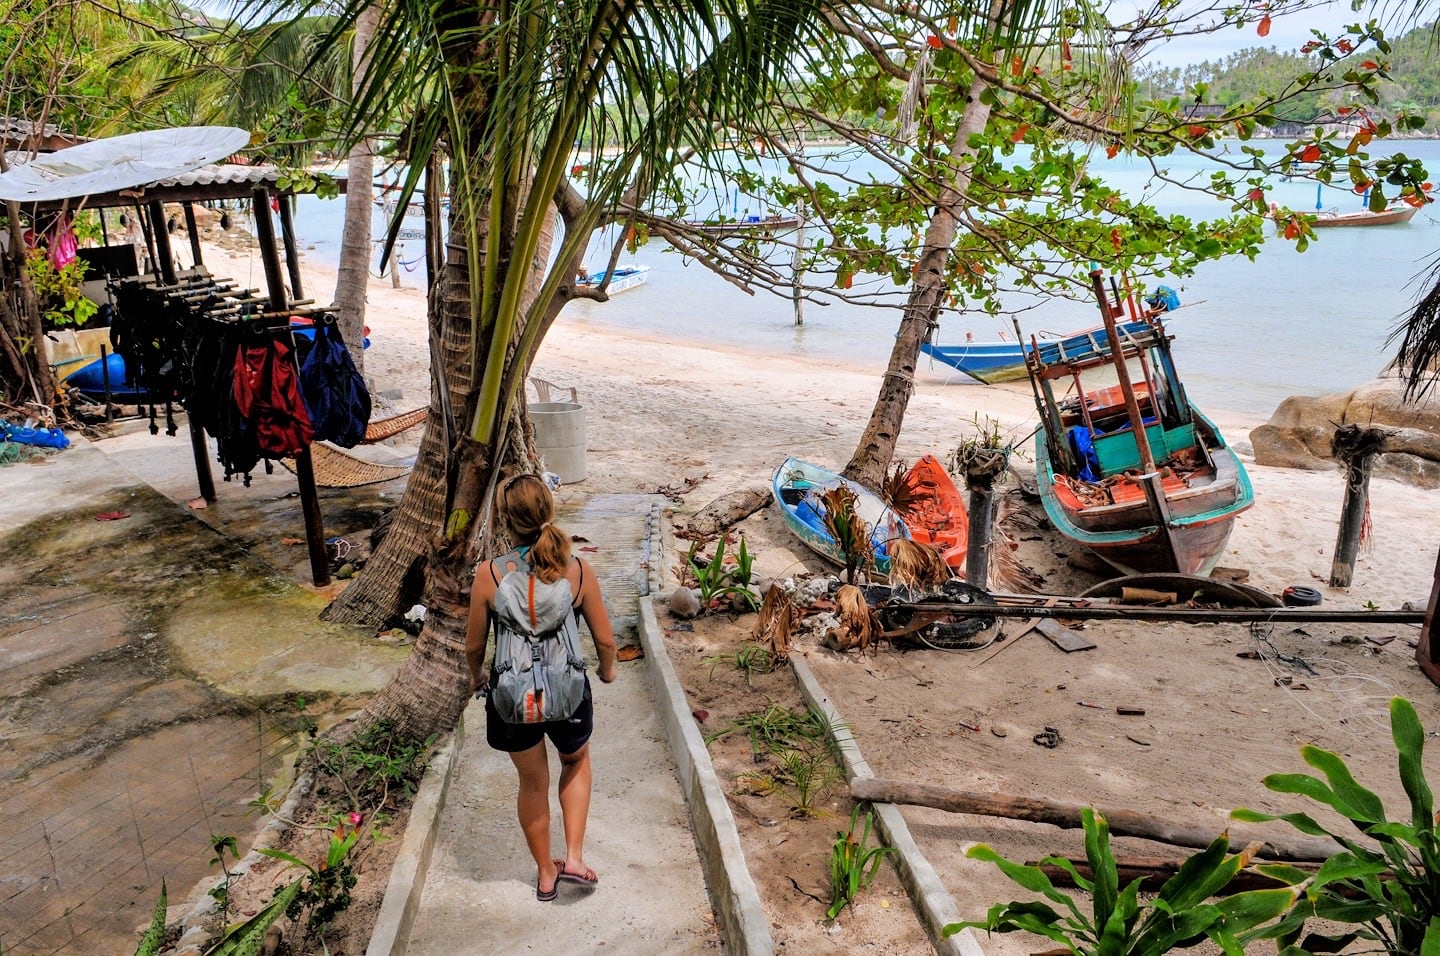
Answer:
(572, 877)
(545, 896)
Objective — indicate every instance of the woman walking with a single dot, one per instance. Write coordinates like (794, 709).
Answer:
(536, 685)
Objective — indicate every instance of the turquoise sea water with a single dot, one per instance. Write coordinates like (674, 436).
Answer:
(1288, 323)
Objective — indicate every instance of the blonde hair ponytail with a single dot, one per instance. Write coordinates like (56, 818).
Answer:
(528, 508)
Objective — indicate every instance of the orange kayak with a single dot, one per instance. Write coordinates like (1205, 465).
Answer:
(938, 518)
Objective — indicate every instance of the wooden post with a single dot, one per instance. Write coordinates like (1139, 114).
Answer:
(163, 252)
(1122, 372)
(1356, 448)
(1428, 649)
(292, 254)
(797, 285)
(982, 467)
(201, 450)
(304, 468)
(194, 232)
(977, 555)
(1154, 487)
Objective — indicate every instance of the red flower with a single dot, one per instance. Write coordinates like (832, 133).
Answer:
(935, 42)
(356, 818)
(1292, 230)
(1310, 153)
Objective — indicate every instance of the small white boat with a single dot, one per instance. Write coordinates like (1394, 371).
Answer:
(624, 279)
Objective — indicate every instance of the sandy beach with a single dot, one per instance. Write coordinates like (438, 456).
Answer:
(659, 412)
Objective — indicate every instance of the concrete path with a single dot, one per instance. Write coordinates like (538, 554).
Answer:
(479, 894)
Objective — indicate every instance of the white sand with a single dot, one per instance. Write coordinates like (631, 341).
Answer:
(660, 411)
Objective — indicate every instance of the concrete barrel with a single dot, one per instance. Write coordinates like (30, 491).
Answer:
(560, 438)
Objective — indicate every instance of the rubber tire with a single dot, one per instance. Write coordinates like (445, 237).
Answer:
(1298, 595)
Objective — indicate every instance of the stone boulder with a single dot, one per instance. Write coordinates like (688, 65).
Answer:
(1298, 435)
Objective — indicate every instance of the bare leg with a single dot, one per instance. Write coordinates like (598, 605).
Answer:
(575, 781)
(533, 805)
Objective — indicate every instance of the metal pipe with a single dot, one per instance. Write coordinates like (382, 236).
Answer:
(1186, 615)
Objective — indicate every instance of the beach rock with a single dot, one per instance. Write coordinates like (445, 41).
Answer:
(727, 510)
(1298, 435)
(683, 603)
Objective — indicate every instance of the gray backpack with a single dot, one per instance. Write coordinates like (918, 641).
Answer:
(539, 668)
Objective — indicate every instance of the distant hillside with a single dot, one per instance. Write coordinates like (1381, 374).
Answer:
(1413, 65)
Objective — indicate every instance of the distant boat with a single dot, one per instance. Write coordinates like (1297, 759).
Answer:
(746, 225)
(1164, 503)
(1362, 217)
(992, 362)
(797, 486)
(938, 516)
(625, 279)
(1334, 218)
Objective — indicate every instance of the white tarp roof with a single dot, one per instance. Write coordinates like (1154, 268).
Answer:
(120, 162)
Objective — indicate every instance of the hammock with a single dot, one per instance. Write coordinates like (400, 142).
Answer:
(378, 431)
(337, 468)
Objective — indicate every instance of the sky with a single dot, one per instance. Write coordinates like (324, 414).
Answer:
(1288, 32)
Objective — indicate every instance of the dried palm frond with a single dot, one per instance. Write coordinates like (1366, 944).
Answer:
(917, 565)
(775, 621)
(848, 529)
(857, 627)
(1005, 571)
(1418, 338)
(899, 493)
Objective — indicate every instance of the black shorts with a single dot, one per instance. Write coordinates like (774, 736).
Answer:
(568, 735)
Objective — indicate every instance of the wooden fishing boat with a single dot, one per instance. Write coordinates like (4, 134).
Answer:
(625, 279)
(1362, 217)
(938, 516)
(798, 486)
(1334, 218)
(1129, 468)
(993, 362)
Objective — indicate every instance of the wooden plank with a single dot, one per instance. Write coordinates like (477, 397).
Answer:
(1062, 637)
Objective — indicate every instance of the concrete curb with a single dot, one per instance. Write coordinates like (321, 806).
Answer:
(732, 890)
(391, 934)
(934, 903)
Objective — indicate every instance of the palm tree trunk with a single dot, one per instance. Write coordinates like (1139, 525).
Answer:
(396, 575)
(353, 275)
(877, 443)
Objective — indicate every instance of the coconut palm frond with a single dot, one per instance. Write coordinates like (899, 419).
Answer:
(776, 620)
(847, 528)
(857, 626)
(897, 491)
(1418, 334)
(914, 564)
(1005, 571)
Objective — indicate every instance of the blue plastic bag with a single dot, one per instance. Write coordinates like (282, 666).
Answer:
(45, 437)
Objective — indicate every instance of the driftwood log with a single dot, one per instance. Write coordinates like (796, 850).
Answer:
(726, 511)
(1067, 816)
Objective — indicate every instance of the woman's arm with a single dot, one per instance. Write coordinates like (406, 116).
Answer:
(477, 630)
(592, 608)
